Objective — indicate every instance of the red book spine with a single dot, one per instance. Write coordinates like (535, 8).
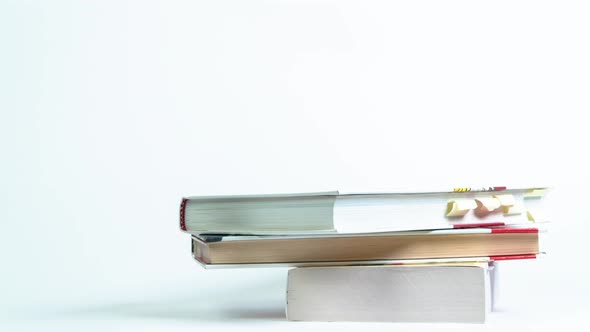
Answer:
(514, 230)
(511, 257)
(182, 213)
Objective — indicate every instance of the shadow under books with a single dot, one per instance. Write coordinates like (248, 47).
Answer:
(199, 307)
(180, 309)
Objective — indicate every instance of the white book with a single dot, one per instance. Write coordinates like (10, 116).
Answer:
(361, 212)
(428, 293)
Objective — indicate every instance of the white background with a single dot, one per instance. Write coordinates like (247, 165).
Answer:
(111, 111)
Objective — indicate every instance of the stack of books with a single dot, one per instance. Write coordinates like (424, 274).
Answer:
(405, 256)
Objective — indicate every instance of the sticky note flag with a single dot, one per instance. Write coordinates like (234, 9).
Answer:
(517, 208)
(487, 204)
(506, 200)
(460, 207)
(535, 216)
(535, 193)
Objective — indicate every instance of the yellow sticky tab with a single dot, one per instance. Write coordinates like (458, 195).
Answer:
(517, 208)
(488, 204)
(506, 200)
(535, 216)
(535, 193)
(460, 207)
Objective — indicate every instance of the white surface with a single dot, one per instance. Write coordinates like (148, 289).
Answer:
(113, 110)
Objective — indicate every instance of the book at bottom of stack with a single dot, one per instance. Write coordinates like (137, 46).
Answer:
(460, 293)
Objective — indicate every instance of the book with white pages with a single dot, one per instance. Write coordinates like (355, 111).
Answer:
(362, 212)
(459, 293)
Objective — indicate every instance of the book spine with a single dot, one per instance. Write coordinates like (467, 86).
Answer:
(182, 214)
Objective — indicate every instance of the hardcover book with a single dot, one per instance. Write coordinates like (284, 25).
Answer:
(361, 212)
(439, 244)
